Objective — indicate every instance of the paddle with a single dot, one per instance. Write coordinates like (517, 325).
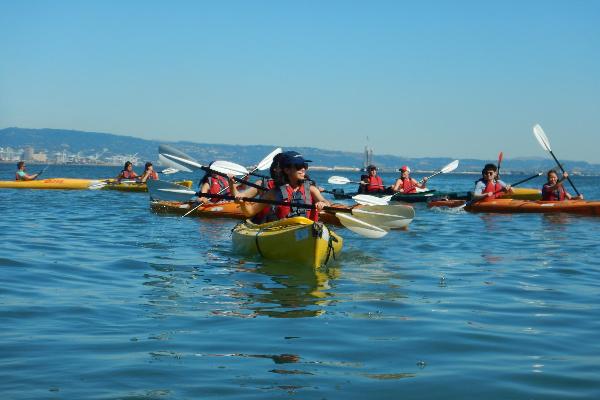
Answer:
(363, 220)
(41, 172)
(500, 156)
(340, 180)
(542, 139)
(468, 203)
(265, 163)
(176, 157)
(374, 200)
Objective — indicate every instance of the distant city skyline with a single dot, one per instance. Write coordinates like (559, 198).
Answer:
(462, 79)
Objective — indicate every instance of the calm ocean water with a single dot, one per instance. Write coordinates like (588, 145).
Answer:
(102, 299)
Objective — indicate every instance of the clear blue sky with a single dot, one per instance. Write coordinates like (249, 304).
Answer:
(419, 78)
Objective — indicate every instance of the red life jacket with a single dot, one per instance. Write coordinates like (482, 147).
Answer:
(302, 195)
(493, 187)
(375, 184)
(408, 186)
(128, 174)
(557, 194)
(218, 185)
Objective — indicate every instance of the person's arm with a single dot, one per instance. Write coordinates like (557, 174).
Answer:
(421, 185)
(396, 186)
(478, 192)
(203, 189)
(320, 200)
(505, 187)
(249, 209)
(144, 176)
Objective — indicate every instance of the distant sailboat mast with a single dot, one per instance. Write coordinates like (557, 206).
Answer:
(368, 159)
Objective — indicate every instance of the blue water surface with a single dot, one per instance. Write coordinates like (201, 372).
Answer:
(102, 299)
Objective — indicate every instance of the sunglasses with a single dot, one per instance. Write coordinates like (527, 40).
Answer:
(489, 173)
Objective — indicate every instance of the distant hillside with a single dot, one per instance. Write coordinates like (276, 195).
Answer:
(89, 143)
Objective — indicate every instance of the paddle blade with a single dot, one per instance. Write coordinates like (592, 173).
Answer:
(338, 180)
(182, 163)
(169, 171)
(385, 216)
(268, 160)
(360, 227)
(227, 167)
(541, 137)
(366, 199)
(164, 161)
(162, 190)
(450, 167)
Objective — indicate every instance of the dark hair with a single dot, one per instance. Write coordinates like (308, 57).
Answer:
(551, 172)
(148, 164)
(371, 167)
(489, 167)
(275, 169)
(127, 164)
(20, 164)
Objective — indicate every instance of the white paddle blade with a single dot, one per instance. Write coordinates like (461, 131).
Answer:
(541, 137)
(450, 167)
(386, 217)
(162, 190)
(182, 162)
(338, 180)
(97, 185)
(227, 167)
(360, 227)
(268, 160)
(164, 161)
(169, 171)
(366, 199)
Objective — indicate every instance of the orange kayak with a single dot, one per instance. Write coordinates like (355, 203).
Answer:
(210, 210)
(527, 206)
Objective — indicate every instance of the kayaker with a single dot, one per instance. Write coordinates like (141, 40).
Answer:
(127, 173)
(293, 188)
(554, 189)
(373, 183)
(21, 175)
(212, 183)
(488, 186)
(149, 173)
(406, 184)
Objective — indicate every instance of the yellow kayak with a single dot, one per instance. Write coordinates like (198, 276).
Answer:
(134, 186)
(523, 194)
(52, 183)
(297, 240)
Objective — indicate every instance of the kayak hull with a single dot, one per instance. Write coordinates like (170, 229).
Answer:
(527, 206)
(209, 210)
(512, 206)
(297, 240)
(51, 184)
(112, 184)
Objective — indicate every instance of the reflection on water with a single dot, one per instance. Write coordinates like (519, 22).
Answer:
(290, 292)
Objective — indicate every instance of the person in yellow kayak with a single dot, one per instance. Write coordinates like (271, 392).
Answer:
(489, 186)
(149, 173)
(554, 189)
(212, 183)
(406, 184)
(21, 175)
(293, 188)
(127, 173)
(372, 183)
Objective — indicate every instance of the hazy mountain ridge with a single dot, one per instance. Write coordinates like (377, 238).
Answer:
(56, 140)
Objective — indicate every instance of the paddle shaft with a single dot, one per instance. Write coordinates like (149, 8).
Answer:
(500, 156)
(563, 170)
(278, 203)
